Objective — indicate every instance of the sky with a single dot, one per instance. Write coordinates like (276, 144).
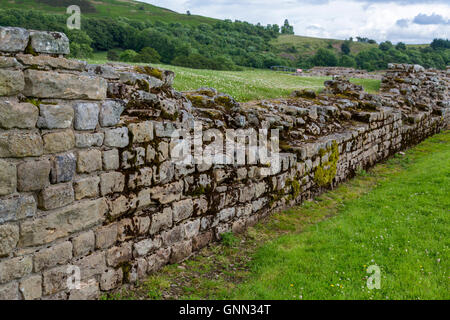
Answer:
(408, 21)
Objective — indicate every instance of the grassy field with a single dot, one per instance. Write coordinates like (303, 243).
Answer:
(250, 84)
(114, 9)
(395, 216)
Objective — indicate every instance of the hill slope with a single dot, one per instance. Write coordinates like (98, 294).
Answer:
(109, 8)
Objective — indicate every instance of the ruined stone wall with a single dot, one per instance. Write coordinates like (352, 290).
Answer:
(86, 178)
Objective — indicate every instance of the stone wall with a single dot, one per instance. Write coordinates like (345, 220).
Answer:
(341, 71)
(86, 178)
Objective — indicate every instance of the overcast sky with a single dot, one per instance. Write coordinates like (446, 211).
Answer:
(410, 21)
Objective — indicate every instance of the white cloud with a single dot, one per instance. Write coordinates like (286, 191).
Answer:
(341, 19)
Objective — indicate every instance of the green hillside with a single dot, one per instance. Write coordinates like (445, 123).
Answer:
(109, 8)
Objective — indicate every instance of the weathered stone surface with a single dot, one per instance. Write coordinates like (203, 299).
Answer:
(17, 115)
(8, 62)
(106, 236)
(200, 241)
(168, 193)
(119, 254)
(86, 115)
(91, 265)
(17, 207)
(57, 142)
(83, 244)
(48, 61)
(8, 178)
(56, 254)
(110, 113)
(103, 71)
(33, 175)
(111, 279)
(9, 237)
(111, 182)
(138, 270)
(56, 196)
(55, 280)
(111, 159)
(182, 209)
(88, 291)
(9, 291)
(13, 39)
(191, 228)
(63, 168)
(89, 161)
(158, 260)
(173, 235)
(47, 84)
(141, 132)
(117, 138)
(21, 144)
(180, 251)
(142, 248)
(15, 268)
(86, 188)
(11, 82)
(143, 178)
(49, 42)
(86, 140)
(55, 116)
(62, 222)
(31, 287)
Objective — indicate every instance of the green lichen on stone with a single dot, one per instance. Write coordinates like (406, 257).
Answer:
(169, 116)
(325, 172)
(224, 101)
(153, 72)
(197, 101)
(29, 50)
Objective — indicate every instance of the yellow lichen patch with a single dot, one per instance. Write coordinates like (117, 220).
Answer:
(153, 72)
(326, 172)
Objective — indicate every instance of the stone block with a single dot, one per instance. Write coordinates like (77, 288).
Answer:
(158, 260)
(86, 140)
(168, 193)
(117, 138)
(31, 287)
(88, 291)
(33, 175)
(111, 160)
(17, 115)
(110, 113)
(11, 82)
(49, 84)
(13, 39)
(49, 42)
(8, 62)
(181, 251)
(141, 132)
(86, 187)
(86, 115)
(91, 265)
(119, 254)
(63, 168)
(142, 248)
(111, 182)
(106, 236)
(55, 116)
(182, 210)
(56, 196)
(9, 291)
(62, 222)
(55, 280)
(8, 178)
(83, 244)
(52, 62)
(89, 161)
(50, 257)
(57, 142)
(201, 240)
(21, 144)
(17, 207)
(9, 237)
(111, 279)
(15, 268)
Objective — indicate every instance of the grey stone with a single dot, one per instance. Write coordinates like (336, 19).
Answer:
(56, 142)
(103, 71)
(17, 207)
(63, 168)
(86, 187)
(83, 244)
(110, 113)
(111, 182)
(88, 291)
(142, 248)
(11, 82)
(111, 159)
(89, 161)
(111, 279)
(52, 62)
(8, 178)
(92, 265)
(168, 193)
(106, 236)
(31, 287)
(158, 260)
(17, 115)
(8, 62)
(49, 42)
(86, 116)
(49, 84)
(13, 39)
(141, 132)
(33, 175)
(117, 138)
(50, 257)
(56, 196)
(15, 268)
(21, 144)
(55, 116)
(181, 251)
(182, 209)
(86, 140)
(62, 222)
(9, 291)
(9, 237)
(119, 254)
(55, 280)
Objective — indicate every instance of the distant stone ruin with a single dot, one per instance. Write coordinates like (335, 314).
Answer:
(341, 71)
(86, 179)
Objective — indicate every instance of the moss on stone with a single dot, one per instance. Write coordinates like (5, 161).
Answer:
(153, 72)
(325, 172)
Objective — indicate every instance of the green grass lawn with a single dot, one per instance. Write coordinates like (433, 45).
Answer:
(395, 216)
(247, 85)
